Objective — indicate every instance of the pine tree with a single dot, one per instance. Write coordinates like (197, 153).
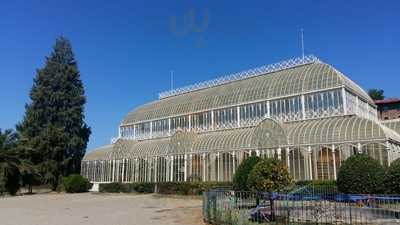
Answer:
(53, 132)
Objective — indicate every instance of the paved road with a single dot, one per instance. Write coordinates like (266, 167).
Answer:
(99, 209)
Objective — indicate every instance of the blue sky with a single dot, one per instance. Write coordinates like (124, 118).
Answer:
(126, 50)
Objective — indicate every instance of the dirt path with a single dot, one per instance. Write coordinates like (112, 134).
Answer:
(100, 209)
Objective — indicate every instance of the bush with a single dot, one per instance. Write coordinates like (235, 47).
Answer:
(127, 187)
(269, 175)
(141, 187)
(242, 173)
(113, 188)
(75, 183)
(360, 174)
(392, 178)
(179, 188)
(190, 188)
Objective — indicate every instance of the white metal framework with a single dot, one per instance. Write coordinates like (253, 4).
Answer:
(307, 114)
(319, 104)
(311, 149)
(262, 70)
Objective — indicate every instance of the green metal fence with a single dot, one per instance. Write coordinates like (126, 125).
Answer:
(300, 207)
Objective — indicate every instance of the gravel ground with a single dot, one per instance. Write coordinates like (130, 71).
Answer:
(100, 209)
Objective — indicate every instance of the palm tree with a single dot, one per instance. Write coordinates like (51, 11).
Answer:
(8, 139)
(9, 162)
(13, 166)
(9, 172)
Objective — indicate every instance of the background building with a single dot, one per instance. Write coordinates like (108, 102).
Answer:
(301, 111)
(388, 109)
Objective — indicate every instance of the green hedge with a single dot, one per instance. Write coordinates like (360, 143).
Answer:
(127, 188)
(190, 188)
(180, 188)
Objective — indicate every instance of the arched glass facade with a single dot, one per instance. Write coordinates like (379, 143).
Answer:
(310, 116)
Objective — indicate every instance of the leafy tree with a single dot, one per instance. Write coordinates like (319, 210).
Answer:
(242, 173)
(53, 131)
(269, 175)
(360, 174)
(392, 178)
(376, 94)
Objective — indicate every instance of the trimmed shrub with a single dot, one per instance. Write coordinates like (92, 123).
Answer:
(127, 188)
(178, 188)
(392, 178)
(141, 187)
(190, 188)
(75, 183)
(242, 173)
(113, 188)
(360, 174)
(269, 175)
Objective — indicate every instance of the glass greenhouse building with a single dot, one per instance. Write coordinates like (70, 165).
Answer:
(301, 111)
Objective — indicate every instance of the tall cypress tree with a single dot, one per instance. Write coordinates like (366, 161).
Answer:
(53, 132)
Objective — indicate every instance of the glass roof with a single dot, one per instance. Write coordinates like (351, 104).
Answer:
(293, 81)
(102, 153)
(338, 130)
(236, 139)
(392, 124)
